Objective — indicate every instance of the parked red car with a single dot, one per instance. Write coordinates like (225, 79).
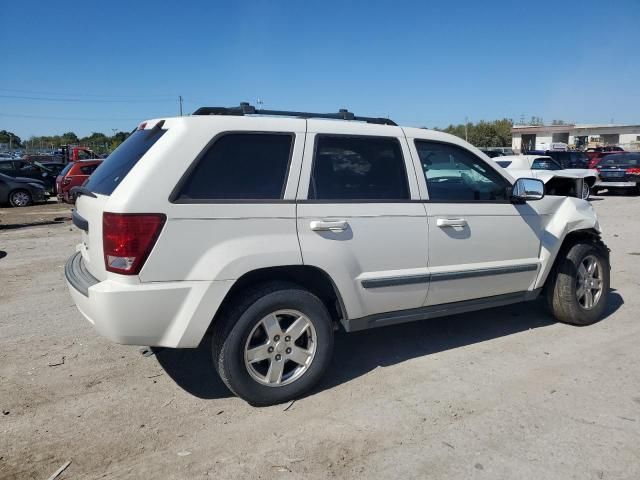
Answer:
(598, 153)
(74, 174)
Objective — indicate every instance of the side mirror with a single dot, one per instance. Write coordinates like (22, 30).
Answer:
(526, 189)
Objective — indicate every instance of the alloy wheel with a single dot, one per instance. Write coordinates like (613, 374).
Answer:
(20, 199)
(589, 282)
(280, 348)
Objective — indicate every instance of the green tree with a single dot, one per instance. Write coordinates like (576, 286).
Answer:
(496, 133)
(117, 139)
(69, 138)
(10, 137)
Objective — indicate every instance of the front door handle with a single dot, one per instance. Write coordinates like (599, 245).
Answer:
(451, 222)
(328, 225)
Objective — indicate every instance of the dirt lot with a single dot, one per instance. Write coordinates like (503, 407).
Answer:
(504, 393)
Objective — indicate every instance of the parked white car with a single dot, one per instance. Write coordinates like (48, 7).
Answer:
(268, 229)
(576, 182)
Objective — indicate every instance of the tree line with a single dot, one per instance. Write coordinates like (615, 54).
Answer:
(496, 133)
(97, 141)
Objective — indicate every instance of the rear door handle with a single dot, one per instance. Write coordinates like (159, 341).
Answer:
(328, 225)
(451, 222)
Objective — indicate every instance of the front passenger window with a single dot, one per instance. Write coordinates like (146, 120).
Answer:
(455, 174)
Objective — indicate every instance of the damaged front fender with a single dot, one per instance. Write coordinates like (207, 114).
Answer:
(569, 215)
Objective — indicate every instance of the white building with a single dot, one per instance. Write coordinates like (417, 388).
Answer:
(533, 137)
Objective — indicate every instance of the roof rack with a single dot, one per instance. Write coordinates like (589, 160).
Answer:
(247, 109)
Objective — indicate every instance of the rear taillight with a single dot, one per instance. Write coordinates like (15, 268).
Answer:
(633, 171)
(127, 240)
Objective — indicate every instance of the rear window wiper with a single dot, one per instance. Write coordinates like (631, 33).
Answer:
(80, 190)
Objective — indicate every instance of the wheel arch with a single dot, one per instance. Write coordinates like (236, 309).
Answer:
(586, 235)
(308, 277)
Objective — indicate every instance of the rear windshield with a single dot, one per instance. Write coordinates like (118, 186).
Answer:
(117, 165)
(632, 159)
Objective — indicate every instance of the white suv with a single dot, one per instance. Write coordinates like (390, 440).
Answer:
(269, 229)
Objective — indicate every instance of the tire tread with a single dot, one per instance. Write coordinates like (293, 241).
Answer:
(560, 292)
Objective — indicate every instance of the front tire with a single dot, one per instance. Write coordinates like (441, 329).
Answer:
(273, 343)
(20, 198)
(579, 288)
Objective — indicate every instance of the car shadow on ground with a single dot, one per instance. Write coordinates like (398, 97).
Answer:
(358, 353)
(55, 221)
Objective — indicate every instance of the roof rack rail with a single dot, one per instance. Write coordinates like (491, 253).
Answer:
(247, 109)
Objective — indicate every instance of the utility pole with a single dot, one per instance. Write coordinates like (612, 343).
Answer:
(180, 101)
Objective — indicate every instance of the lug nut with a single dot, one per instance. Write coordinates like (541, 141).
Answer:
(276, 338)
(287, 338)
(278, 357)
(288, 350)
(270, 349)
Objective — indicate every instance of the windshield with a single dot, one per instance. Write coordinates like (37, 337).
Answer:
(42, 167)
(545, 163)
(117, 165)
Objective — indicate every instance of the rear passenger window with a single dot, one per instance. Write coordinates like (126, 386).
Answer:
(240, 166)
(358, 168)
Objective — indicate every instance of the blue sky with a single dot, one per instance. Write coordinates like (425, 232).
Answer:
(95, 66)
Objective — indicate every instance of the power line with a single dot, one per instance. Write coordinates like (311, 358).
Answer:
(79, 100)
(32, 92)
(43, 117)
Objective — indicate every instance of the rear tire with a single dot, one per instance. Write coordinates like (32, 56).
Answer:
(272, 343)
(579, 285)
(20, 198)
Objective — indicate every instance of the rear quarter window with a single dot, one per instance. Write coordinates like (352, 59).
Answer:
(117, 165)
(239, 166)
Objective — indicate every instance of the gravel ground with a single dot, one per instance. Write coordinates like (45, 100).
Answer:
(503, 393)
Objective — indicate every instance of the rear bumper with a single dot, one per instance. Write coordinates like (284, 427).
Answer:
(166, 314)
(602, 184)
